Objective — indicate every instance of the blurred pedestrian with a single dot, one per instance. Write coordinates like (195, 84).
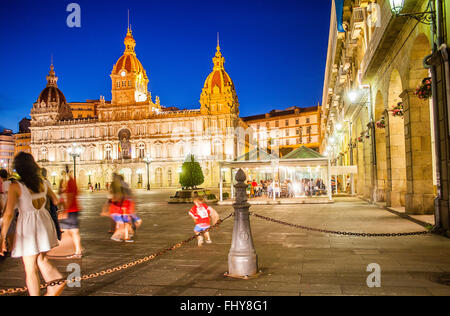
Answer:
(36, 233)
(62, 189)
(71, 222)
(121, 208)
(5, 185)
(3, 194)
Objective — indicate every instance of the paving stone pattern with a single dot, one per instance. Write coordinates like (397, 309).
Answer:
(293, 262)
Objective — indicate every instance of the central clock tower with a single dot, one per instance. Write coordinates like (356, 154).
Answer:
(131, 99)
(129, 78)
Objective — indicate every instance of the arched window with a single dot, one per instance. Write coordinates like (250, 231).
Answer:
(108, 152)
(44, 154)
(181, 150)
(169, 151)
(218, 147)
(158, 151)
(141, 151)
(92, 153)
(158, 177)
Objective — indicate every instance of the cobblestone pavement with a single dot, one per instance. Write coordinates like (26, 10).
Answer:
(293, 262)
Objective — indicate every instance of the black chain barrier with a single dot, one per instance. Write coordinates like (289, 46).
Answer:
(421, 233)
(116, 269)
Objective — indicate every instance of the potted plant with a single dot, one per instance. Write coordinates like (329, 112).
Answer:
(397, 111)
(424, 91)
(381, 123)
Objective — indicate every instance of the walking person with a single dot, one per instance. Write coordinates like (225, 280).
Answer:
(51, 207)
(71, 224)
(62, 188)
(120, 210)
(201, 214)
(3, 193)
(35, 233)
(5, 185)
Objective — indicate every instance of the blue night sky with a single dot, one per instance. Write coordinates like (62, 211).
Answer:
(275, 50)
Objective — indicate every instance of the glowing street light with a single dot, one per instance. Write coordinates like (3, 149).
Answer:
(148, 160)
(427, 17)
(352, 95)
(397, 6)
(75, 152)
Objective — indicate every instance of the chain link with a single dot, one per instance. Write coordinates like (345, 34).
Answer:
(339, 232)
(116, 269)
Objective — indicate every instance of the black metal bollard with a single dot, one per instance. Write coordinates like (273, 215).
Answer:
(242, 258)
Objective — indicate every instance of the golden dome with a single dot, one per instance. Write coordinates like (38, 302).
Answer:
(129, 62)
(219, 94)
(218, 77)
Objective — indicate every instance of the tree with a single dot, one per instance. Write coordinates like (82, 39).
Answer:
(191, 173)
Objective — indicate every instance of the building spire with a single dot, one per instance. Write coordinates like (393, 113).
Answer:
(129, 42)
(52, 80)
(218, 59)
(128, 26)
(218, 42)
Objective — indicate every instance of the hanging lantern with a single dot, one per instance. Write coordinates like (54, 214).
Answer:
(397, 6)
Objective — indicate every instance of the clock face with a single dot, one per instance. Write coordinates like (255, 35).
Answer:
(123, 74)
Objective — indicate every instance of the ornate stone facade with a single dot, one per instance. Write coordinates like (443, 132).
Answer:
(376, 61)
(132, 126)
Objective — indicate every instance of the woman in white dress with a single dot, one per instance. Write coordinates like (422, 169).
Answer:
(35, 231)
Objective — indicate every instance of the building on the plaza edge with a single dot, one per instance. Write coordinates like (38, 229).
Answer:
(22, 140)
(385, 102)
(6, 149)
(116, 136)
(286, 130)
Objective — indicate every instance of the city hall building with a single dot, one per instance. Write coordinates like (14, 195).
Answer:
(117, 135)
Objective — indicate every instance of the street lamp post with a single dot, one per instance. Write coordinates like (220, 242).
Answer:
(148, 161)
(74, 152)
(242, 258)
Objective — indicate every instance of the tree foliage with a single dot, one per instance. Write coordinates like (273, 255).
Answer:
(191, 173)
